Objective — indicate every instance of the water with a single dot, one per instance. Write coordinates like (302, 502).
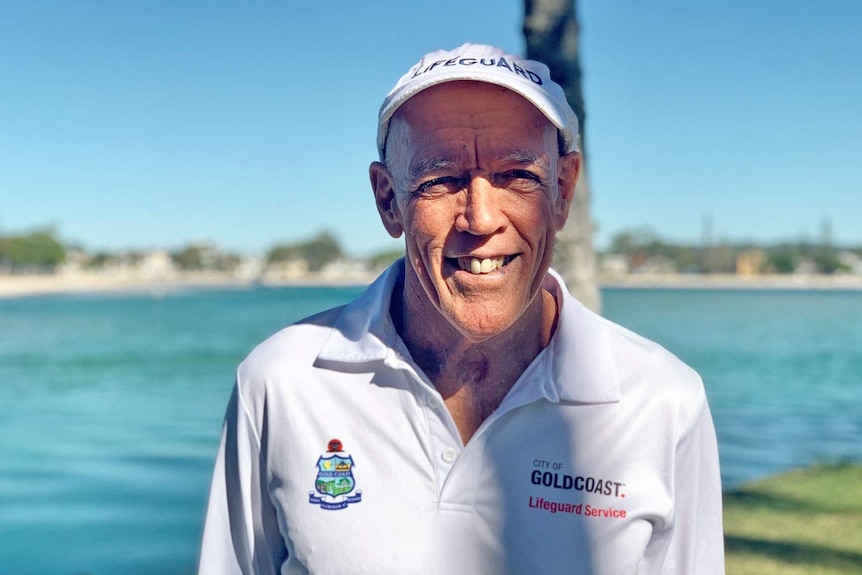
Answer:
(110, 412)
(111, 406)
(783, 370)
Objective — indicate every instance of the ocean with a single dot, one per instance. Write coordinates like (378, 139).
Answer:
(111, 405)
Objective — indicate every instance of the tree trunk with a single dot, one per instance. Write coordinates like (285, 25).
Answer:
(551, 31)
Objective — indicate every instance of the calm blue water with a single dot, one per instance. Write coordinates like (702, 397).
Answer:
(111, 406)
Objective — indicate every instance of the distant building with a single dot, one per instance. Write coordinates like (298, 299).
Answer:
(614, 264)
(805, 267)
(210, 254)
(657, 265)
(250, 268)
(156, 265)
(347, 270)
(76, 261)
(750, 262)
(288, 270)
(852, 261)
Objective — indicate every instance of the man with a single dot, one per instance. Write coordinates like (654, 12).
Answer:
(466, 414)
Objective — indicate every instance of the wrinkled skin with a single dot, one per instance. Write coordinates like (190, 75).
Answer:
(478, 176)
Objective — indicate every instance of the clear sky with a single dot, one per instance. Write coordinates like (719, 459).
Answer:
(152, 124)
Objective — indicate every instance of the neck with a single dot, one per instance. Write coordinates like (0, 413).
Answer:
(473, 377)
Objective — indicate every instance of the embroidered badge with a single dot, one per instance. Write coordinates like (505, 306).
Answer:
(335, 481)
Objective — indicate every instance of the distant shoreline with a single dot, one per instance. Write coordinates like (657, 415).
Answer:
(20, 286)
(788, 282)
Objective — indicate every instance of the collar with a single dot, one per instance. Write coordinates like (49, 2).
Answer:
(364, 331)
(581, 362)
(577, 366)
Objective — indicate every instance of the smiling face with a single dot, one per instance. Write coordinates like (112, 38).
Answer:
(476, 183)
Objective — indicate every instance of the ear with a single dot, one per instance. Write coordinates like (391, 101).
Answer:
(568, 170)
(383, 185)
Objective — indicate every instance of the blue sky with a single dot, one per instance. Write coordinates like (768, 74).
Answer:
(152, 124)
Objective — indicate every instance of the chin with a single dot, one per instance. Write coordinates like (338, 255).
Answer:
(478, 323)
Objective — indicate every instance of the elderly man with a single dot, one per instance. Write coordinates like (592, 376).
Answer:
(466, 414)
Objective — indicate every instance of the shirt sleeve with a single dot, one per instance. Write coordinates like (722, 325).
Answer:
(694, 540)
(241, 534)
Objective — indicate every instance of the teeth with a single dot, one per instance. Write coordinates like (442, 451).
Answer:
(484, 266)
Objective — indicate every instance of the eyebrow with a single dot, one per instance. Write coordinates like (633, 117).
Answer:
(429, 165)
(526, 157)
(422, 167)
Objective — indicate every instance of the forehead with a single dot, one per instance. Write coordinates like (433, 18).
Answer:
(465, 113)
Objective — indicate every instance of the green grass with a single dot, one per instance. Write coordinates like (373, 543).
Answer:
(806, 522)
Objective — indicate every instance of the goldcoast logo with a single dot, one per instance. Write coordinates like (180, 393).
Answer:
(548, 474)
(577, 483)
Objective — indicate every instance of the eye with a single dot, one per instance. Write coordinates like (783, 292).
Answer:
(440, 186)
(519, 180)
(525, 175)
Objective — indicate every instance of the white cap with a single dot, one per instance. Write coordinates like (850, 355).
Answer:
(481, 63)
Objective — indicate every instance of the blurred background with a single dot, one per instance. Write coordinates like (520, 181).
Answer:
(157, 124)
(178, 180)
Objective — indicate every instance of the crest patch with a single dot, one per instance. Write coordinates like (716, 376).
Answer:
(335, 484)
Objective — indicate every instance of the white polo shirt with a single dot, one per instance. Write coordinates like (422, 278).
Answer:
(339, 456)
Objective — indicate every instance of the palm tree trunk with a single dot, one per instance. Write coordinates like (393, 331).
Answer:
(552, 34)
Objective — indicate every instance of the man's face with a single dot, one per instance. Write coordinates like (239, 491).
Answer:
(479, 191)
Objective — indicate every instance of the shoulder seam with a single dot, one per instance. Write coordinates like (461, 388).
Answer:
(702, 403)
(246, 411)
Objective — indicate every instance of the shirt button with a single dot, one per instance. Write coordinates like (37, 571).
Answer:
(448, 455)
(433, 403)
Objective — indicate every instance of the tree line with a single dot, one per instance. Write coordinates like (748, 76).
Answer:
(41, 251)
(639, 246)
(37, 251)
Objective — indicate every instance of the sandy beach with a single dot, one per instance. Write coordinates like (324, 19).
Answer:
(731, 281)
(35, 285)
(12, 286)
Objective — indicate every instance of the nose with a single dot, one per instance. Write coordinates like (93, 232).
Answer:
(481, 212)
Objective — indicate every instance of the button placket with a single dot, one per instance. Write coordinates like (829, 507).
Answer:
(445, 443)
(444, 439)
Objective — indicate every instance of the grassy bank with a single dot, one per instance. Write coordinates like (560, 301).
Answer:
(806, 522)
